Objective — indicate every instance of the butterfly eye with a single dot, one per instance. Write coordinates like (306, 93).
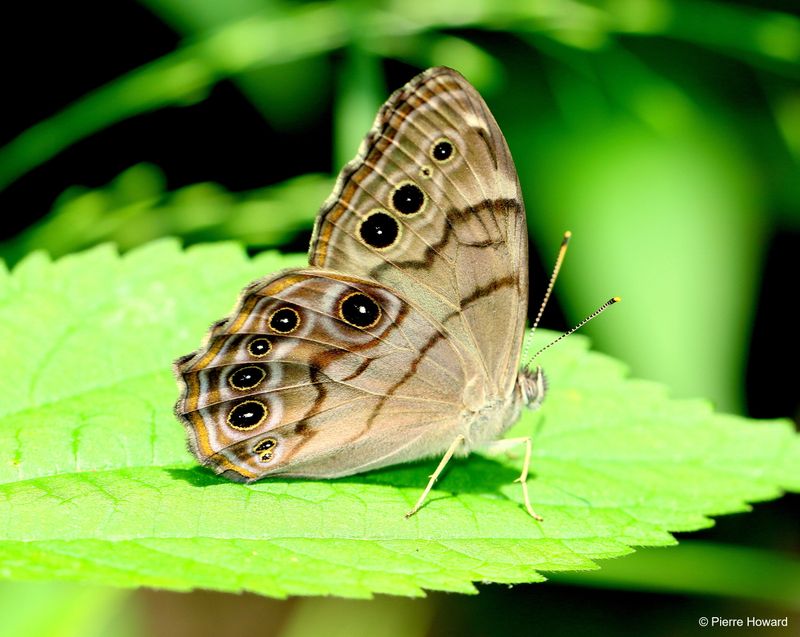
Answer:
(259, 347)
(408, 199)
(379, 230)
(285, 320)
(359, 310)
(248, 377)
(266, 448)
(247, 415)
(442, 150)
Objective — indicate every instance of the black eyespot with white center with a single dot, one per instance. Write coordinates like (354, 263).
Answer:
(408, 199)
(442, 150)
(259, 347)
(285, 320)
(265, 449)
(379, 230)
(247, 415)
(248, 377)
(359, 310)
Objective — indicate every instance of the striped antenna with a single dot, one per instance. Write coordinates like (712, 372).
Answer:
(597, 312)
(559, 260)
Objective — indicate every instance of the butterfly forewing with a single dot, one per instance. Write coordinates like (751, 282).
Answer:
(432, 208)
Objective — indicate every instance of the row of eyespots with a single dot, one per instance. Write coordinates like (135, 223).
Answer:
(380, 230)
(355, 308)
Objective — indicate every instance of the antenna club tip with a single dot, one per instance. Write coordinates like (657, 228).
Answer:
(616, 299)
(567, 235)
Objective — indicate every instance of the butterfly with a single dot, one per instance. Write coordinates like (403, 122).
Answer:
(402, 338)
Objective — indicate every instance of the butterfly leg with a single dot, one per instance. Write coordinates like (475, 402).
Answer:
(445, 459)
(504, 445)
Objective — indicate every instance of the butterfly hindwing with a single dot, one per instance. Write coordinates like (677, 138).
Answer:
(305, 369)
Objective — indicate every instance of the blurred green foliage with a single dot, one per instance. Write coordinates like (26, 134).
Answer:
(135, 209)
(59, 609)
(624, 118)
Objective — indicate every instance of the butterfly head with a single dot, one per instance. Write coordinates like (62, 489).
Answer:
(533, 385)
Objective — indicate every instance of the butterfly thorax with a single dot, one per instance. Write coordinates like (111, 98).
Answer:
(497, 415)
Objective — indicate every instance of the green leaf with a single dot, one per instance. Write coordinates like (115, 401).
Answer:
(96, 485)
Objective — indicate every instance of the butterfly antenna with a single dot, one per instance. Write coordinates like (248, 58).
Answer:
(594, 314)
(559, 260)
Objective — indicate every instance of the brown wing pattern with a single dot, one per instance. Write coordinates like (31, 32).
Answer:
(445, 226)
(293, 381)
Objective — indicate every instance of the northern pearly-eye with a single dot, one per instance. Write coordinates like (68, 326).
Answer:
(402, 338)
